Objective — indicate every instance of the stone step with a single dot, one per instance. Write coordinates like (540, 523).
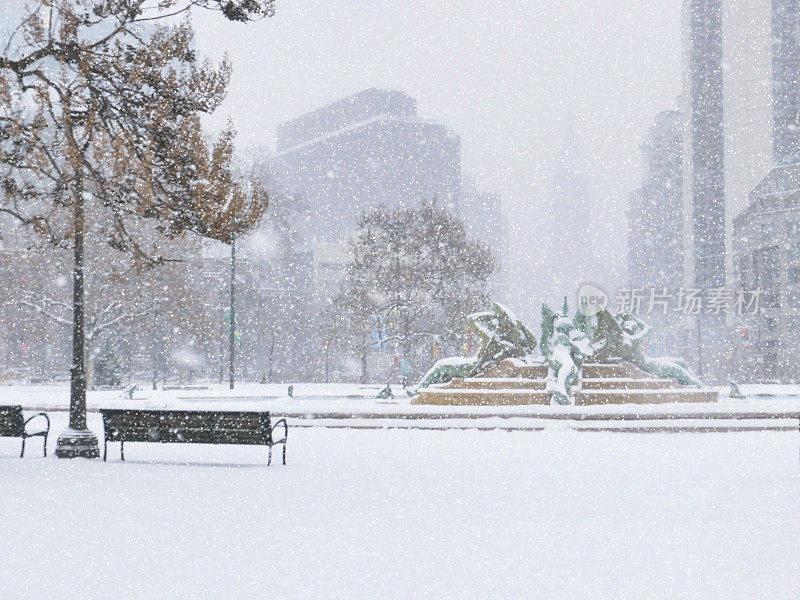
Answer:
(653, 396)
(512, 368)
(618, 370)
(478, 397)
(497, 383)
(533, 371)
(627, 383)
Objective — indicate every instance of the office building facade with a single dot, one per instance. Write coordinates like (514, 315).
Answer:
(766, 245)
(362, 151)
(655, 210)
(655, 228)
(741, 106)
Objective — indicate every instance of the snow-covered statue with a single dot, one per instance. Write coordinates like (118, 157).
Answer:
(565, 344)
(502, 336)
(622, 335)
(128, 392)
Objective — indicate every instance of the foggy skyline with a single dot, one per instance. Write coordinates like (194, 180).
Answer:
(505, 76)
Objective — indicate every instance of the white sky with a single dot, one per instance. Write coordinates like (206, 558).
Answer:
(502, 74)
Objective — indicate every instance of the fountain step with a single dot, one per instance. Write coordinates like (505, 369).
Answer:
(480, 397)
(512, 382)
(497, 383)
(618, 370)
(511, 368)
(626, 383)
(640, 396)
(515, 369)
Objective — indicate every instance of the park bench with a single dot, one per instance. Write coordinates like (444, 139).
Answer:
(13, 424)
(193, 427)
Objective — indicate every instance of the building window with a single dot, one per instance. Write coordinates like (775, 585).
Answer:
(793, 228)
(767, 230)
(794, 275)
(771, 323)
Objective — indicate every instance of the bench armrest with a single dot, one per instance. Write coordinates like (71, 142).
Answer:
(285, 431)
(41, 414)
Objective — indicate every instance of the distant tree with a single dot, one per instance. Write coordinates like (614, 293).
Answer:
(235, 210)
(279, 315)
(100, 133)
(115, 295)
(161, 312)
(414, 276)
(107, 368)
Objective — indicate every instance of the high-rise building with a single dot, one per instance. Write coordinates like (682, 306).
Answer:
(741, 112)
(361, 151)
(655, 210)
(575, 245)
(767, 246)
(655, 227)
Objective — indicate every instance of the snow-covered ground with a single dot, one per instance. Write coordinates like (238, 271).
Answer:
(409, 514)
(318, 399)
(247, 395)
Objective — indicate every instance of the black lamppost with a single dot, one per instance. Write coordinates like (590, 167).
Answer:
(77, 441)
(159, 343)
(232, 320)
(327, 357)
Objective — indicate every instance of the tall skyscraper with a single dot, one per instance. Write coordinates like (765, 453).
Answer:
(575, 245)
(785, 79)
(655, 226)
(741, 105)
(741, 92)
(655, 220)
(361, 151)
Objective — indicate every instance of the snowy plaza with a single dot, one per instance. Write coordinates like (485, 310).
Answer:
(367, 299)
(436, 514)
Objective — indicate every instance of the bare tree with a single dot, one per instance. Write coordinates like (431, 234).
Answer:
(415, 276)
(151, 312)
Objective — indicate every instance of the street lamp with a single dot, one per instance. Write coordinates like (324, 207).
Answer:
(232, 320)
(77, 441)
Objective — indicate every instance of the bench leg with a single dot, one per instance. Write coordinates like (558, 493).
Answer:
(269, 462)
(122, 451)
(284, 453)
(44, 446)
(22, 452)
(105, 448)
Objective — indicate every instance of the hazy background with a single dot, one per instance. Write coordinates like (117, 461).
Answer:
(505, 75)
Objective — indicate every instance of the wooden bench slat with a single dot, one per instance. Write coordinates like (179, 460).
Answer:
(198, 436)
